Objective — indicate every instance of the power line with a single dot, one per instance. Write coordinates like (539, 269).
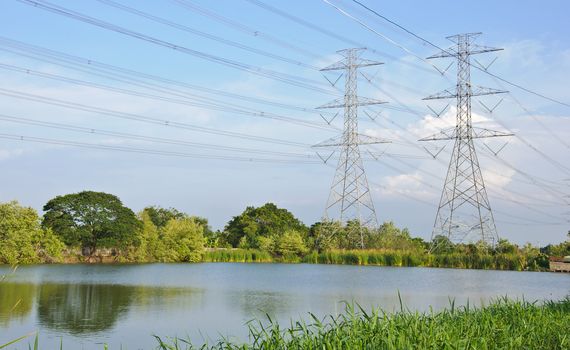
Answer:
(210, 106)
(204, 34)
(346, 14)
(88, 62)
(242, 28)
(439, 48)
(161, 140)
(330, 33)
(139, 137)
(270, 74)
(144, 119)
(535, 181)
(146, 150)
(447, 53)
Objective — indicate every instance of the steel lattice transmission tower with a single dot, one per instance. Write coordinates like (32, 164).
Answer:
(350, 198)
(464, 212)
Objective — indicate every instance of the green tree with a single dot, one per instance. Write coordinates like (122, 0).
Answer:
(291, 243)
(149, 247)
(22, 240)
(183, 240)
(353, 235)
(389, 236)
(91, 220)
(265, 221)
(323, 236)
(506, 247)
(161, 216)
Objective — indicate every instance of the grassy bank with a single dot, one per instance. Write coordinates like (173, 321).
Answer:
(502, 325)
(381, 257)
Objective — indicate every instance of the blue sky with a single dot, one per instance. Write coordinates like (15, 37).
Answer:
(536, 55)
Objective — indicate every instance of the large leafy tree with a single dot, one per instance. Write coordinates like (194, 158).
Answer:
(91, 220)
(267, 221)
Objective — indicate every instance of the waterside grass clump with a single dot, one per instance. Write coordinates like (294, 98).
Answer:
(504, 324)
(413, 258)
(237, 255)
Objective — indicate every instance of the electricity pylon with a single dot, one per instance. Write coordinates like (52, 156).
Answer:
(464, 212)
(350, 196)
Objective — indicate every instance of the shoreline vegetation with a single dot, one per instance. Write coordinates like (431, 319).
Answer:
(95, 227)
(502, 324)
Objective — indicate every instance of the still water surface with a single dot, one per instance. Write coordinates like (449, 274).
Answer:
(88, 305)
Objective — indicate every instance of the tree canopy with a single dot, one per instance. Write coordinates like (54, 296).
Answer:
(266, 221)
(91, 220)
(22, 239)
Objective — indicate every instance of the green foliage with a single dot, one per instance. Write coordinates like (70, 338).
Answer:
(180, 239)
(391, 237)
(95, 220)
(291, 243)
(562, 249)
(323, 236)
(22, 239)
(183, 240)
(161, 216)
(91, 220)
(441, 245)
(268, 220)
(504, 324)
(149, 247)
(237, 255)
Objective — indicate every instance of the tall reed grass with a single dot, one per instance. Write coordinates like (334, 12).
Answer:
(381, 257)
(385, 257)
(237, 255)
(504, 324)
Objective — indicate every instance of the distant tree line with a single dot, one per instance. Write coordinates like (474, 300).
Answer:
(92, 226)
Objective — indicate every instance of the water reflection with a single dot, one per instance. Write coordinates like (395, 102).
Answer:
(83, 309)
(125, 305)
(16, 301)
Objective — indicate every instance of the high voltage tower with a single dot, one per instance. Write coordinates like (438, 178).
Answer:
(464, 212)
(350, 198)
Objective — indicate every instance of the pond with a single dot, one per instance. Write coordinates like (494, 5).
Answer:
(89, 305)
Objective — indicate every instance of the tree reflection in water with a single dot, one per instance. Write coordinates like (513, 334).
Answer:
(81, 309)
(16, 301)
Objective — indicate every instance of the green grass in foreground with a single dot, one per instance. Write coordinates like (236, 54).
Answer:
(504, 324)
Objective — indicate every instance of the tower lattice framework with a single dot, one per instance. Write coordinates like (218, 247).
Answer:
(464, 212)
(350, 198)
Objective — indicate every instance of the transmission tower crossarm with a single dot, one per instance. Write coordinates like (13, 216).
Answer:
(444, 134)
(475, 91)
(480, 133)
(360, 101)
(360, 139)
(476, 133)
(445, 94)
(452, 52)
